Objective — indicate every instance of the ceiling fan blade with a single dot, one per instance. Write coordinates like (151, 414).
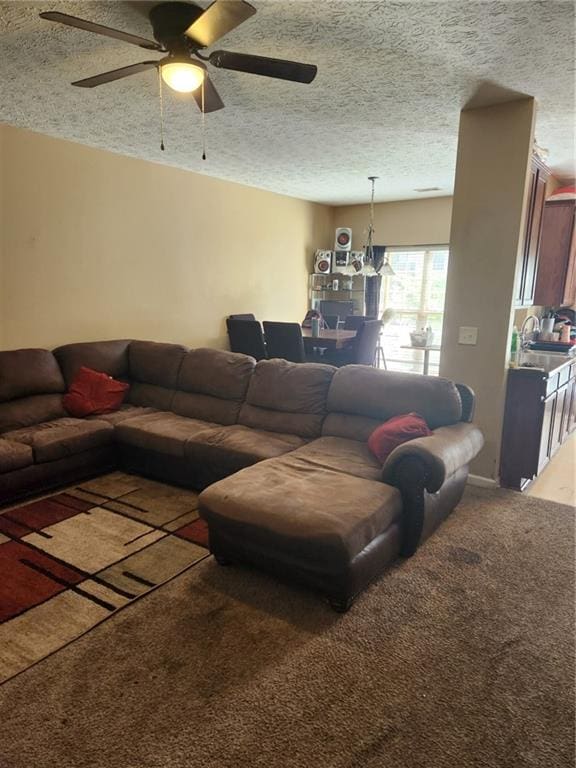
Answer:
(212, 100)
(218, 19)
(261, 65)
(115, 74)
(89, 26)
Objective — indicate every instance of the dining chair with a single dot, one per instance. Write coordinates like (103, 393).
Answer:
(248, 316)
(340, 308)
(284, 340)
(353, 322)
(331, 321)
(246, 337)
(362, 349)
(380, 357)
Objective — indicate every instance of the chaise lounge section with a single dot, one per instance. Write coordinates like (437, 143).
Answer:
(278, 449)
(327, 514)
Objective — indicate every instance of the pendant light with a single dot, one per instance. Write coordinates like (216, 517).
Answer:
(385, 270)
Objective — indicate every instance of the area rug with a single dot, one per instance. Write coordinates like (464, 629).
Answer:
(461, 657)
(71, 560)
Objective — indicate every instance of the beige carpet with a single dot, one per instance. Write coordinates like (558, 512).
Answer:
(461, 657)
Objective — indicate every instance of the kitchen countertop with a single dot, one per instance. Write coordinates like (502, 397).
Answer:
(548, 363)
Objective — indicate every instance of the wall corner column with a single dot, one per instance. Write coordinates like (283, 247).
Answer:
(492, 172)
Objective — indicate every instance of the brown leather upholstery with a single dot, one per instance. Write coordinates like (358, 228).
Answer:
(212, 385)
(109, 357)
(40, 478)
(25, 372)
(287, 397)
(57, 439)
(311, 508)
(280, 507)
(14, 456)
(442, 453)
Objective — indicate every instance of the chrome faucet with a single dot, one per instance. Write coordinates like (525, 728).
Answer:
(525, 338)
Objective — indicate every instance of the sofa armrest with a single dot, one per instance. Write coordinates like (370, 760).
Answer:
(441, 454)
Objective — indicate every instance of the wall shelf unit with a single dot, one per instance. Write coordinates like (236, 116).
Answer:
(350, 288)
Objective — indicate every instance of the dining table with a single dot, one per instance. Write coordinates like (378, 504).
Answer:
(328, 338)
(426, 349)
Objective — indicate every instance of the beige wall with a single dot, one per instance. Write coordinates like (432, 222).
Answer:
(492, 173)
(99, 246)
(406, 222)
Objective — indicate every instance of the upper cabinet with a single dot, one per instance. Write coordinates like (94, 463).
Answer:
(527, 267)
(556, 282)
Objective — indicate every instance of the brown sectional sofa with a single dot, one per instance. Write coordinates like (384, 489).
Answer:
(280, 449)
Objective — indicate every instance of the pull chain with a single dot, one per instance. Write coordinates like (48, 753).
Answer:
(203, 124)
(161, 108)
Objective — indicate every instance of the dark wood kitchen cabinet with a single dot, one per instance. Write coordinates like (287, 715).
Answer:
(527, 267)
(539, 414)
(556, 281)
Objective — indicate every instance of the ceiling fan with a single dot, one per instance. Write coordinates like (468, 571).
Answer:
(182, 30)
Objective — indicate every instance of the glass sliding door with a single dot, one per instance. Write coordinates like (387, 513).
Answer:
(416, 294)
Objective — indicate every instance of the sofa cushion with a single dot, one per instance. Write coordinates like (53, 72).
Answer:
(26, 411)
(110, 357)
(368, 397)
(125, 412)
(14, 455)
(154, 369)
(25, 372)
(212, 384)
(153, 362)
(62, 437)
(342, 455)
(304, 515)
(163, 432)
(287, 397)
(232, 448)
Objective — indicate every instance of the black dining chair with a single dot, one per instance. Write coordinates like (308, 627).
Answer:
(340, 308)
(248, 316)
(362, 349)
(284, 340)
(353, 322)
(246, 337)
(331, 321)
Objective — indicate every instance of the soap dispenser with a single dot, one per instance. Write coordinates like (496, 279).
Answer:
(514, 348)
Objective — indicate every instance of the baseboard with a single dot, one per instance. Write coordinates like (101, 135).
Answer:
(482, 482)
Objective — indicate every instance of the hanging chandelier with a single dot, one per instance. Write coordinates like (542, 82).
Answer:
(385, 268)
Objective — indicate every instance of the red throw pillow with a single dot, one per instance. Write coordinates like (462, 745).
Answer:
(394, 432)
(92, 392)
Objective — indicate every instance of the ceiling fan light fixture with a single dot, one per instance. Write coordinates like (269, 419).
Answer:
(182, 76)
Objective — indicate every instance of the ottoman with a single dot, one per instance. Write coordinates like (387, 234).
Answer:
(307, 523)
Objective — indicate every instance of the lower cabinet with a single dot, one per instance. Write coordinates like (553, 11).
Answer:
(548, 414)
(571, 419)
(540, 413)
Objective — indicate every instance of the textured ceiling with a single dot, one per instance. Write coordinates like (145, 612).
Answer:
(392, 79)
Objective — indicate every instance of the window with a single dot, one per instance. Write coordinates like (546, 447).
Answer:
(416, 294)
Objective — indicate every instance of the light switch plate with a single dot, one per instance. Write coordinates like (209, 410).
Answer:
(467, 335)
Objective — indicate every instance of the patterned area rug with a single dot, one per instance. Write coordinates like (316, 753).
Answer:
(71, 560)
